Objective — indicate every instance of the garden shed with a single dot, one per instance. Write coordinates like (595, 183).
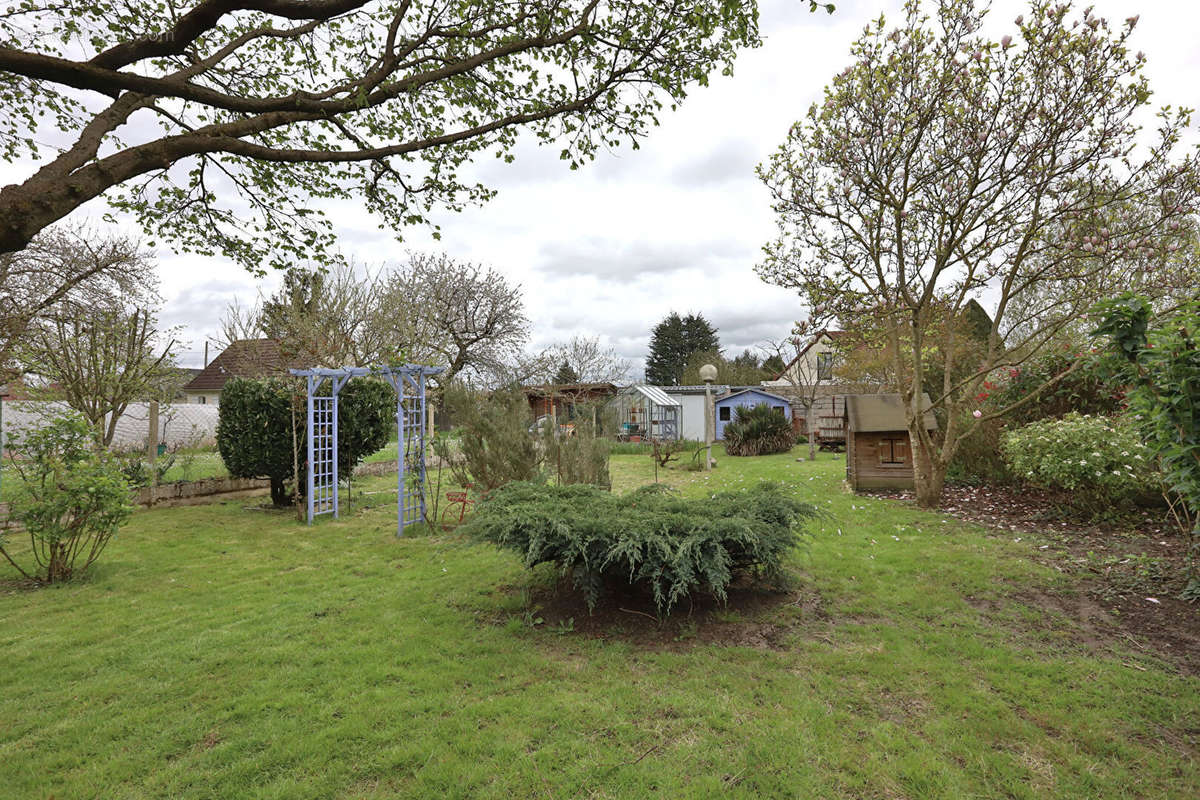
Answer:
(878, 452)
(725, 406)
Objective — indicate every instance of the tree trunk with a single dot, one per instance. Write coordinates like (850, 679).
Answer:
(58, 569)
(812, 432)
(928, 476)
(280, 496)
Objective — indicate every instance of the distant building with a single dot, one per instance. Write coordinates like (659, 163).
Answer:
(815, 362)
(244, 358)
(560, 402)
(726, 406)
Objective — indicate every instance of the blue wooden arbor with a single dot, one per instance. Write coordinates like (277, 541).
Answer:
(322, 436)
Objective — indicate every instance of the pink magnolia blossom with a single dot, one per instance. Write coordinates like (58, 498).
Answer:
(977, 413)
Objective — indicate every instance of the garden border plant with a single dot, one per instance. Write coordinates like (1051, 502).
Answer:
(1095, 465)
(758, 431)
(75, 497)
(1162, 366)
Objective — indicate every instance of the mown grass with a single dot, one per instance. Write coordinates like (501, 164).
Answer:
(223, 651)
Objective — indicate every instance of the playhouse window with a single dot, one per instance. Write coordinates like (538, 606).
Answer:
(893, 451)
(723, 414)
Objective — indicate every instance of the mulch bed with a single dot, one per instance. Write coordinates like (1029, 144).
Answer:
(1131, 570)
(754, 616)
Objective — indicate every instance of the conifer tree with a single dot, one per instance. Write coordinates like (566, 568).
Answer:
(672, 343)
(566, 374)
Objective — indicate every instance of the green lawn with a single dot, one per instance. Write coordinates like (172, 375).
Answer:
(221, 651)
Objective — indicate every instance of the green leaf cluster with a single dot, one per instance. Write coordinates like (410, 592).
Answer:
(758, 431)
(646, 539)
(1160, 360)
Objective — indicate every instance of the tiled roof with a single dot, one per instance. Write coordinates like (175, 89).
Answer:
(245, 358)
(544, 389)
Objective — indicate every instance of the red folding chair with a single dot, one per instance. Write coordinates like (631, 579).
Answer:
(459, 499)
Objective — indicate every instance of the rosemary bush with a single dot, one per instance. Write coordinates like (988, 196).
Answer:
(649, 538)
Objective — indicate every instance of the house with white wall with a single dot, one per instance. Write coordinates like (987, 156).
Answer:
(814, 363)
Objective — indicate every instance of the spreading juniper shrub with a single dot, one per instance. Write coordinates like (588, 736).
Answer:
(650, 538)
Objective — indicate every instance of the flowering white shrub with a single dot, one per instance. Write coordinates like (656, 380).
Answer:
(1099, 461)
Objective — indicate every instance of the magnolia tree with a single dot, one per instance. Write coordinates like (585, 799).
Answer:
(216, 123)
(943, 165)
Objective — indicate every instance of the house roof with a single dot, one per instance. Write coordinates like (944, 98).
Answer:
(816, 337)
(763, 392)
(882, 412)
(244, 358)
(718, 389)
(568, 389)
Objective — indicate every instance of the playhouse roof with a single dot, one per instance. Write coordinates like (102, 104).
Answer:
(882, 412)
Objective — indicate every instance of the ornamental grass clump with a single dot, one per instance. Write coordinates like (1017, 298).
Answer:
(758, 431)
(647, 539)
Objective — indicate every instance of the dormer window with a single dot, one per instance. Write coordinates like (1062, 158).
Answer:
(824, 366)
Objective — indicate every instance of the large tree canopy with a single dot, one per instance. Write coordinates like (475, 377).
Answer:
(217, 122)
(943, 165)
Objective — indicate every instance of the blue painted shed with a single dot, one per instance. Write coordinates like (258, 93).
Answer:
(726, 407)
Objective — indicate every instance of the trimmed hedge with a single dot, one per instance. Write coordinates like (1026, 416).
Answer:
(254, 428)
(647, 538)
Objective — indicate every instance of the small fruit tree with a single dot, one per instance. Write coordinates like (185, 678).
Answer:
(75, 498)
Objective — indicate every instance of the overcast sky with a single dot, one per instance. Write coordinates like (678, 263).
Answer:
(677, 225)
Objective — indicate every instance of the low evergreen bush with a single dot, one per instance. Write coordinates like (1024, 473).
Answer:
(649, 538)
(1096, 463)
(758, 431)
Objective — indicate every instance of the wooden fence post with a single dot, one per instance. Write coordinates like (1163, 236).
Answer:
(153, 440)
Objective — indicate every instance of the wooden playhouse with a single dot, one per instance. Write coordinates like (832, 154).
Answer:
(878, 452)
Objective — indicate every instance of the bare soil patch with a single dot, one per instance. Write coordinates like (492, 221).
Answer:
(1130, 571)
(753, 616)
